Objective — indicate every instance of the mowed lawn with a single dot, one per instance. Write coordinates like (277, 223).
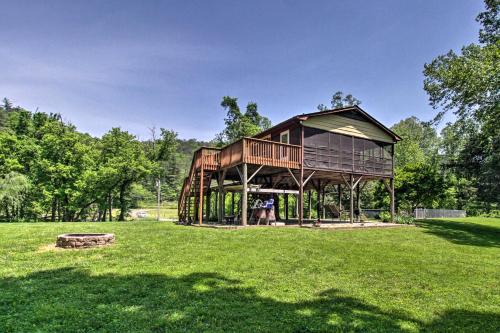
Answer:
(442, 276)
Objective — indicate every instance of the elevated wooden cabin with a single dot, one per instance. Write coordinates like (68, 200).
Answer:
(341, 148)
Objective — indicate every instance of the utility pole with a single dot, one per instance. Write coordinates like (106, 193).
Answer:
(158, 194)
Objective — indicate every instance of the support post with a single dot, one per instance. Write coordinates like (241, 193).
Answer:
(286, 206)
(318, 202)
(392, 200)
(200, 203)
(244, 195)
(339, 192)
(220, 213)
(323, 210)
(358, 205)
(209, 203)
(301, 179)
(277, 206)
(309, 204)
(216, 204)
(188, 208)
(232, 203)
(351, 199)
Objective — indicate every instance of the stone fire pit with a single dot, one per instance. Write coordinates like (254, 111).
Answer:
(84, 240)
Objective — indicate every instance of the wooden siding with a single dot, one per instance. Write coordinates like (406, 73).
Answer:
(348, 126)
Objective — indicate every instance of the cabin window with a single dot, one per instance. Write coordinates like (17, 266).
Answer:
(285, 137)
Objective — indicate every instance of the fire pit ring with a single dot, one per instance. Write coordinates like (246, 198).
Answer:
(84, 240)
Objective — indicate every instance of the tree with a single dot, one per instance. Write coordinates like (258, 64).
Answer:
(420, 142)
(162, 151)
(419, 180)
(124, 162)
(3, 118)
(468, 84)
(419, 185)
(238, 124)
(340, 101)
(13, 189)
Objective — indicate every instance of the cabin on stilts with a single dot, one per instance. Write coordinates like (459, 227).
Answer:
(306, 158)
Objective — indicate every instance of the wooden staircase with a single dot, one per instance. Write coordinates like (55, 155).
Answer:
(197, 183)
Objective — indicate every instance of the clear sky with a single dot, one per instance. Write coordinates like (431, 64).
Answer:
(137, 64)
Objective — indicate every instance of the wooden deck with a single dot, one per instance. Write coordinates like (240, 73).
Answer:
(251, 151)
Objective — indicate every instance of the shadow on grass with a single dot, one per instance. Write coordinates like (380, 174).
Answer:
(465, 233)
(70, 300)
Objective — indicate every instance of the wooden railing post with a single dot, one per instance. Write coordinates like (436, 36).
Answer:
(244, 196)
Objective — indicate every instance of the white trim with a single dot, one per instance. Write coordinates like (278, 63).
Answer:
(282, 134)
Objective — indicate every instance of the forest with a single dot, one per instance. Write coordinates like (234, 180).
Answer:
(50, 171)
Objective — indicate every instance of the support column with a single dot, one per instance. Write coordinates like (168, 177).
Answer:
(318, 198)
(220, 212)
(209, 203)
(358, 206)
(301, 198)
(309, 204)
(232, 203)
(277, 206)
(301, 179)
(351, 198)
(339, 192)
(286, 207)
(244, 195)
(216, 204)
(188, 208)
(200, 203)
(323, 210)
(392, 200)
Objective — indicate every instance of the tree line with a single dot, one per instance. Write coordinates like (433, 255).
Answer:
(50, 171)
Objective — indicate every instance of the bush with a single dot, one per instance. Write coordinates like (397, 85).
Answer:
(401, 218)
(404, 218)
(492, 213)
(385, 216)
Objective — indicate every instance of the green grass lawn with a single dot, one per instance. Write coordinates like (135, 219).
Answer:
(159, 277)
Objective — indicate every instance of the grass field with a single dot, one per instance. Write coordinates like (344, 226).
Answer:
(442, 276)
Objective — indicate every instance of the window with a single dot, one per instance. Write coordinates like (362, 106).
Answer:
(285, 137)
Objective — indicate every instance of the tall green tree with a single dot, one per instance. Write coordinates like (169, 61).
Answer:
(124, 162)
(338, 101)
(468, 84)
(14, 188)
(419, 179)
(239, 124)
(163, 151)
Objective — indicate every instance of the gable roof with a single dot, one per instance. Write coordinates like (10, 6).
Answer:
(305, 116)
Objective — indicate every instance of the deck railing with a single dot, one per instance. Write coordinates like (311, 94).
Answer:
(271, 153)
(262, 152)
(210, 157)
(249, 150)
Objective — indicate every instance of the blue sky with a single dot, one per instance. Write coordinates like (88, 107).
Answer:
(137, 64)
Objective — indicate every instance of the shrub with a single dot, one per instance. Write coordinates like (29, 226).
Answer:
(385, 216)
(404, 218)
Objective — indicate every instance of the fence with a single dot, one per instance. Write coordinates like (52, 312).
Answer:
(424, 213)
(372, 213)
